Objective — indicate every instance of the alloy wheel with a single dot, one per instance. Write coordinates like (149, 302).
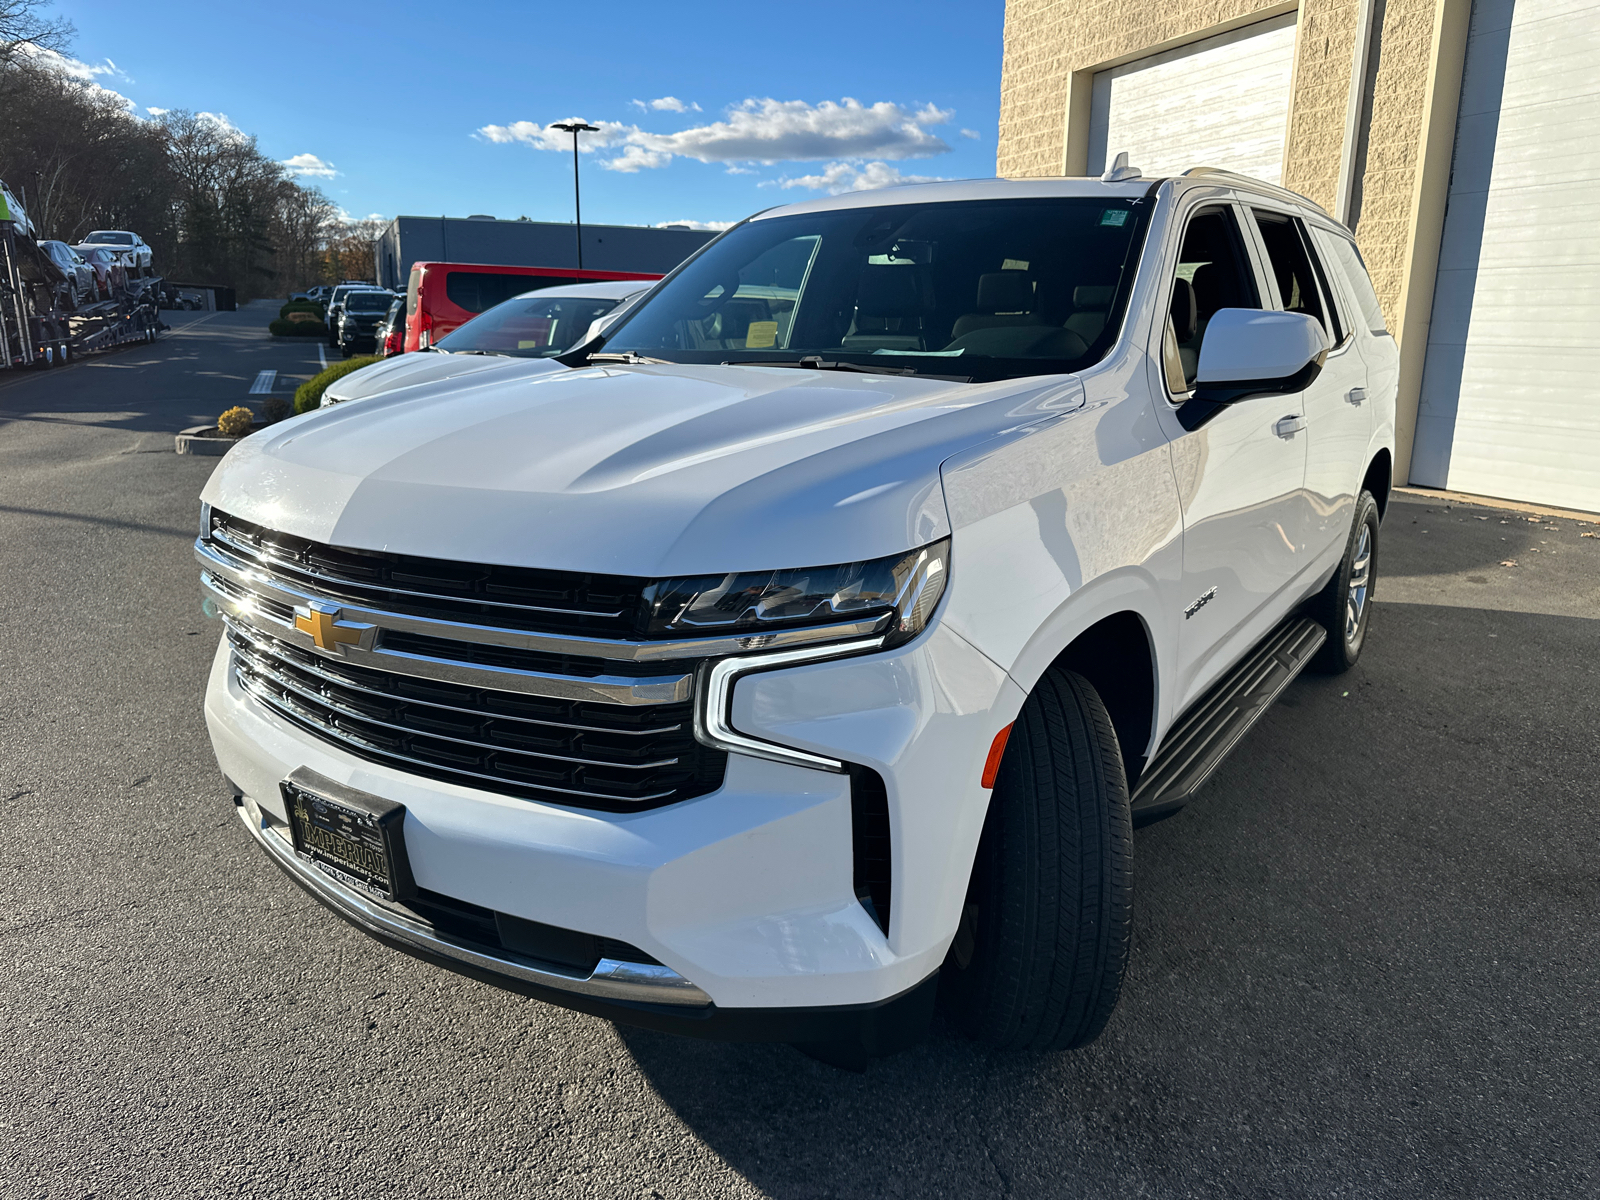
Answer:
(1360, 577)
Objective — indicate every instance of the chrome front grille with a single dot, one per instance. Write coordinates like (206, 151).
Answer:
(591, 755)
(532, 683)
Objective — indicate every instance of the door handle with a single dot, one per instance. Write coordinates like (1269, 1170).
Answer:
(1287, 427)
(1356, 395)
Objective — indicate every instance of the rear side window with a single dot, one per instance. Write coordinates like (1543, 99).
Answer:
(1291, 267)
(412, 287)
(478, 291)
(1342, 252)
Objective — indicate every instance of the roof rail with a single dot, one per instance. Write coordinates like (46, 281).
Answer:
(1272, 189)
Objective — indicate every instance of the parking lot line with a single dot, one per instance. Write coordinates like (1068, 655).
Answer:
(263, 383)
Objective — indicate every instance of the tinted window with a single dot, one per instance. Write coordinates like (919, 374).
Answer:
(533, 328)
(1291, 267)
(412, 285)
(111, 237)
(1213, 272)
(1012, 287)
(479, 291)
(368, 302)
(1343, 255)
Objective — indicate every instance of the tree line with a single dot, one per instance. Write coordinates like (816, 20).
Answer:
(212, 206)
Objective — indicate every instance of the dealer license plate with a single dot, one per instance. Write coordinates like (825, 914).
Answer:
(356, 837)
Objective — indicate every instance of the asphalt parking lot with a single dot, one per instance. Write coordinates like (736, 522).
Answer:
(1365, 960)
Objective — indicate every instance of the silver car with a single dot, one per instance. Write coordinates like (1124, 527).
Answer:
(129, 248)
(79, 274)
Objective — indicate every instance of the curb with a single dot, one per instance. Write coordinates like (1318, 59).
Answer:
(196, 441)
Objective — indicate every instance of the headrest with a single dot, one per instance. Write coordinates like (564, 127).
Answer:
(1185, 317)
(1092, 295)
(1005, 291)
(893, 291)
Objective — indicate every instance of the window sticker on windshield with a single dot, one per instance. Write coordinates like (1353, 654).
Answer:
(763, 335)
(1114, 216)
(1014, 264)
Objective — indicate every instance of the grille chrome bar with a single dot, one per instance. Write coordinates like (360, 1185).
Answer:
(315, 668)
(236, 602)
(369, 750)
(258, 666)
(252, 578)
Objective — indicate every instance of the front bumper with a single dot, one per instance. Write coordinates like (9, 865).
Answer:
(744, 896)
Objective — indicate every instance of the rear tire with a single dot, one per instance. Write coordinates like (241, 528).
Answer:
(1046, 931)
(1344, 607)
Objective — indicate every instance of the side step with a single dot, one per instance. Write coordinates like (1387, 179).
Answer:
(1198, 742)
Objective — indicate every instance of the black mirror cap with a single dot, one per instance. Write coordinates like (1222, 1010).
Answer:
(1208, 399)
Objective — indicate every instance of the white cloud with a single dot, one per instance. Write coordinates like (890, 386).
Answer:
(971, 133)
(703, 226)
(224, 126)
(636, 158)
(673, 104)
(309, 166)
(732, 169)
(84, 73)
(765, 131)
(839, 177)
(157, 112)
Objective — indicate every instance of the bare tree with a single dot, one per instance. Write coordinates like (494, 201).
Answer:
(24, 27)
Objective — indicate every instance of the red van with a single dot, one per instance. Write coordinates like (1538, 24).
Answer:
(444, 296)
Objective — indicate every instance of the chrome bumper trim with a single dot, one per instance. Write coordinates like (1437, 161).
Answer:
(644, 983)
(253, 578)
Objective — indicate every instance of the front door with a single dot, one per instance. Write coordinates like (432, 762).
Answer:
(1241, 475)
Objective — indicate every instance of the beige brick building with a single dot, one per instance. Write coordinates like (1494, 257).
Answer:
(1362, 105)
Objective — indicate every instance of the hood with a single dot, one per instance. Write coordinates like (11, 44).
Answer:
(654, 470)
(407, 370)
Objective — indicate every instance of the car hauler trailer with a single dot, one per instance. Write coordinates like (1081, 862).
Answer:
(36, 330)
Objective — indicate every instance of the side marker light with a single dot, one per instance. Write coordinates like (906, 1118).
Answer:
(991, 765)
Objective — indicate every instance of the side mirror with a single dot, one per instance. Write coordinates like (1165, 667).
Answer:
(1250, 352)
(1254, 352)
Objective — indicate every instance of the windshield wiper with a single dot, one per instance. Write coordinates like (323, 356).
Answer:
(815, 362)
(629, 358)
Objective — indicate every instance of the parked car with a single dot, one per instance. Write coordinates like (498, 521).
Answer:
(390, 336)
(78, 276)
(534, 326)
(359, 317)
(110, 275)
(335, 306)
(803, 657)
(441, 297)
(129, 248)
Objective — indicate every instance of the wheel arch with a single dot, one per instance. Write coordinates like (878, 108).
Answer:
(1379, 480)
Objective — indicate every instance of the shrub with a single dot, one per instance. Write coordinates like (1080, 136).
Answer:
(283, 328)
(274, 408)
(309, 394)
(236, 422)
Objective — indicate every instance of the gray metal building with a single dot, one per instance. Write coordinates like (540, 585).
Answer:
(410, 240)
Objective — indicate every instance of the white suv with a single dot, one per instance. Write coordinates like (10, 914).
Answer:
(813, 644)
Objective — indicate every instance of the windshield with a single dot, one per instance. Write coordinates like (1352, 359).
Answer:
(111, 237)
(535, 327)
(984, 289)
(368, 302)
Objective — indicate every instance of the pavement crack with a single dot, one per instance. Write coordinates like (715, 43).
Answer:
(19, 795)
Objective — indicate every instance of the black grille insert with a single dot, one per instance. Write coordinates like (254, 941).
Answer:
(512, 597)
(869, 829)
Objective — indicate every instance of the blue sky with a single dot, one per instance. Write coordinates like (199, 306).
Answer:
(438, 108)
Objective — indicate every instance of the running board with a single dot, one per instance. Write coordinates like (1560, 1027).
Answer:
(1198, 742)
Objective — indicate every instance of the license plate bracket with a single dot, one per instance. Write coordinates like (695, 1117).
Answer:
(354, 836)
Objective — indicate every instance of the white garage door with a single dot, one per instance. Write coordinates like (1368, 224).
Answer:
(1223, 102)
(1509, 403)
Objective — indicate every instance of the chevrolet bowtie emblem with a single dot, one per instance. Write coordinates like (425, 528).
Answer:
(321, 622)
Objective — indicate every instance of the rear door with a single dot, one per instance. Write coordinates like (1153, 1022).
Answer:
(1335, 406)
(1241, 474)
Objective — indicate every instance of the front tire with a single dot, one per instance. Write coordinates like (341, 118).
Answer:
(1046, 931)
(1344, 607)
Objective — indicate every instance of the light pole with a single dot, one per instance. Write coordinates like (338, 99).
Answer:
(575, 128)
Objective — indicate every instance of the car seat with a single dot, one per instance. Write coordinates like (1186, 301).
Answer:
(891, 302)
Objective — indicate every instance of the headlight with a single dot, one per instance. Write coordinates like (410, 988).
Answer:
(903, 587)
